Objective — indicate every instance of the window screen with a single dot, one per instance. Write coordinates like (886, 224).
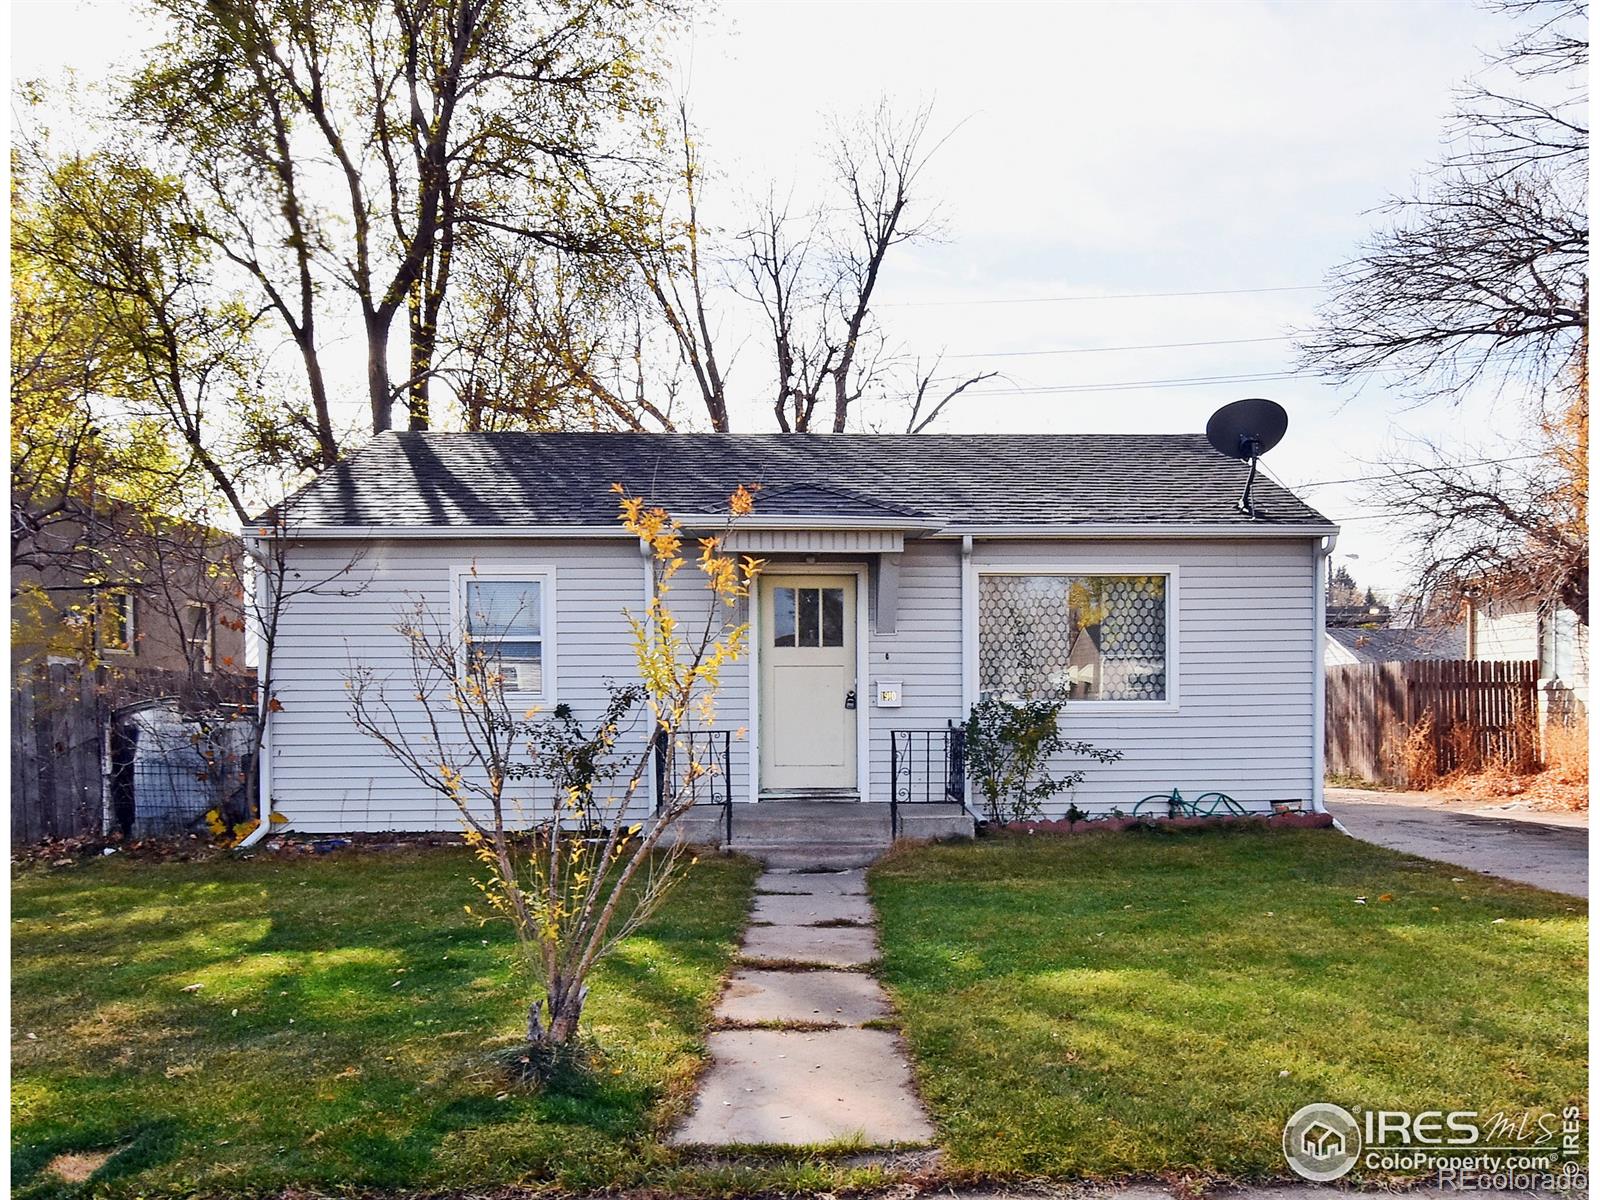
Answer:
(1075, 637)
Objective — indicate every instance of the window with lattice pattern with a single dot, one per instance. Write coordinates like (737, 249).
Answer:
(1074, 637)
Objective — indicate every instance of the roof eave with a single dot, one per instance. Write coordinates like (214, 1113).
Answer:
(701, 521)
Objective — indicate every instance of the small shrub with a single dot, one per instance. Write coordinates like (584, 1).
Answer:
(1009, 750)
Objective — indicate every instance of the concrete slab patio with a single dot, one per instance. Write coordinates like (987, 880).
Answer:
(806, 1086)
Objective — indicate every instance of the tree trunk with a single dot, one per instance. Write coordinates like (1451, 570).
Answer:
(565, 1010)
(327, 447)
(378, 373)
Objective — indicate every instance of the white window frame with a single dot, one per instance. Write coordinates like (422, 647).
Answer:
(1082, 707)
(208, 662)
(122, 599)
(545, 577)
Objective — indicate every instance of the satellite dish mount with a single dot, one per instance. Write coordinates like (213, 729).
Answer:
(1247, 429)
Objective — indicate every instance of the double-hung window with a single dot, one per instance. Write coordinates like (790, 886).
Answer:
(199, 635)
(1075, 637)
(504, 618)
(116, 636)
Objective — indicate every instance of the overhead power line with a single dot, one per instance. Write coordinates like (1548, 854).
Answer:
(1135, 384)
(1483, 462)
(1304, 287)
(1110, 349)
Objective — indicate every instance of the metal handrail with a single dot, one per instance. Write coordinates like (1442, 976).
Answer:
(941, 755)
(713, 750)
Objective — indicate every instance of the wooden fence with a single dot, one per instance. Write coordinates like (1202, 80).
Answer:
(57, 731)
(1480, 712)
(60, 718)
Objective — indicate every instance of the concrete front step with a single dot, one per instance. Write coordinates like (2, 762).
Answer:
(821, 834)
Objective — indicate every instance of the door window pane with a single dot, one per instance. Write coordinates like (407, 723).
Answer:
(783, 616)
(833, 616)
(808, 617)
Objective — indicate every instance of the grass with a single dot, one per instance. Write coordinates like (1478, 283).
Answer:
(344, 1032)
(1160, 1002)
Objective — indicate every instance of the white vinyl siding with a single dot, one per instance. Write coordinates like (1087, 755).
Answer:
(1241, 631)
(1246, 642)
(326, 775)
(1243, 635)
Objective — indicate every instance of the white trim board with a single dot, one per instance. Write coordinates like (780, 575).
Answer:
(972, 569)
(1000, 532)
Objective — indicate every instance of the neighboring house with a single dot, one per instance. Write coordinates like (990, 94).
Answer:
(1348, 647)
(125, 589)
(905, 577)
(1507, 627)
(1339, 615)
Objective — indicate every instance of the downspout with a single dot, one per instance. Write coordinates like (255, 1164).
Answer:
(968, 626)
(1319, 703)
(646, 556)
(264, 715)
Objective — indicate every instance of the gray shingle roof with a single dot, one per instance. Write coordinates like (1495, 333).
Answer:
(943, 480)
(1403, 645)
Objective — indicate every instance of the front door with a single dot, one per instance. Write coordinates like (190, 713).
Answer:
(808, 682)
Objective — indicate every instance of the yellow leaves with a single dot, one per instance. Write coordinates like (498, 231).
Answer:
(743, 499)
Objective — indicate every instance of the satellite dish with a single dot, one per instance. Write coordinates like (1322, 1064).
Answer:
(1247, 429)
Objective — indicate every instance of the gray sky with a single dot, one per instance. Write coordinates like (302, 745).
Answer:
(1093, 151)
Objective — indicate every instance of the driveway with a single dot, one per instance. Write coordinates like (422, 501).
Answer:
(1548, 850)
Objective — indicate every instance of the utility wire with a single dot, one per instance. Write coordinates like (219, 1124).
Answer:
(1134, 384)
(1305, 287)
(1111, 349)
(1484, 462)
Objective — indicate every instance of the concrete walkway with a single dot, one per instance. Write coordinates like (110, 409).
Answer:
(1553, 854)
(793, 1061)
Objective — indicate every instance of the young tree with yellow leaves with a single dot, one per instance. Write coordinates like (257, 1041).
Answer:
(570, 866)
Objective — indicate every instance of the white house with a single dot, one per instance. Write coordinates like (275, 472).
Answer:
(1507, 625)
(906, 576)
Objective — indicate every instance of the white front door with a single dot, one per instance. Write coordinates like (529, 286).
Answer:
(808, 682)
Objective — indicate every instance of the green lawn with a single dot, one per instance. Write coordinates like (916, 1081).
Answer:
(1161, 1002)
(343, 1031)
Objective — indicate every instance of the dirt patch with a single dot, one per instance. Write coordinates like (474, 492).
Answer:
(79, 1165)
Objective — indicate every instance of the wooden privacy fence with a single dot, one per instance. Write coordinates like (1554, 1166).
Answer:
(1393, 723)
(57, 732)
(65, 773)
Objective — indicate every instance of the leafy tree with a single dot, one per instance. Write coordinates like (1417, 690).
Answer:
(354, 150)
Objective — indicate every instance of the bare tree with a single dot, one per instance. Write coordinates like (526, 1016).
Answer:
(1482, 278)
(929, 396)
(659, 351)
(816, 277)
(1482, 274)
(1513, 521)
